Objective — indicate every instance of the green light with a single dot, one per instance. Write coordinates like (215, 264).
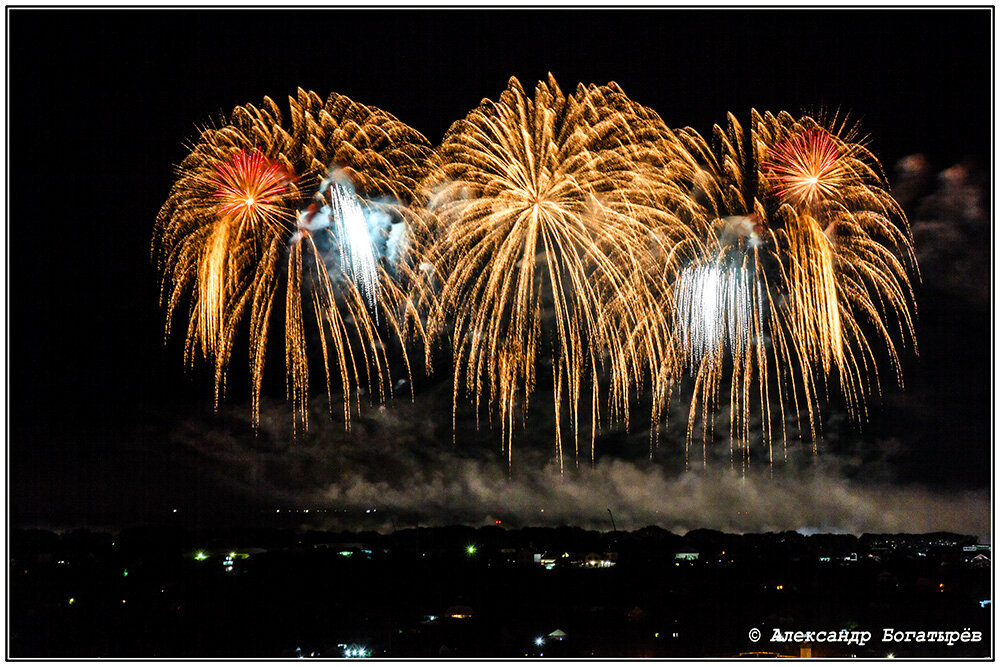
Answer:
(346, 554)
(471, 549)
(201, 555)
(72, 600)
(124, 573)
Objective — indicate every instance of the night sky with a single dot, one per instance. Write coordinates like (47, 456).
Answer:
(107, 427)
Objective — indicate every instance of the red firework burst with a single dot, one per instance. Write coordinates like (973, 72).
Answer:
(806, 167)
(248, 186)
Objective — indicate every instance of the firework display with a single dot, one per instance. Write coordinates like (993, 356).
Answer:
(800, 208)
(256, 211)
(544, 216)
(570, 230)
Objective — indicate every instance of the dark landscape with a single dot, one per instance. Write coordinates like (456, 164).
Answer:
(460, 591)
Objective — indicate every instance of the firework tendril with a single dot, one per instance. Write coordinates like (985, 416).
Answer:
(546, 215)
(823, 257)
(250, 217)
(571, 231)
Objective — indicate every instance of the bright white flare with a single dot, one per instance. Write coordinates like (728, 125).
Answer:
(357, 253)
(351, 231)
(713, 311)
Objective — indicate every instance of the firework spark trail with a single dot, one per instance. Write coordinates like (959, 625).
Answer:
(336, 208)
(814, 303)
(352, 232)
(229, 236)
(831, 253)
(545, 215)
(577, 227)
(714, 311)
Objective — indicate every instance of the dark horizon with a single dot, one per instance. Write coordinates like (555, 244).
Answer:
(492, 592)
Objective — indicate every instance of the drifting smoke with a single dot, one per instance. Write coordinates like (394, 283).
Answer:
(951, 230)
(400, 461)
(405, 460)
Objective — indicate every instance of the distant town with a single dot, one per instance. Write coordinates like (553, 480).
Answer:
(168, 591)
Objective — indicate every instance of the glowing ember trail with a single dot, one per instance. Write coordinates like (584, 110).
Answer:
(571, 231)
(714, 309)
(232, 237)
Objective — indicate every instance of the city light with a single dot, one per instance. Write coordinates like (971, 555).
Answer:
(201, 555)
(471, 549)
(539, 641)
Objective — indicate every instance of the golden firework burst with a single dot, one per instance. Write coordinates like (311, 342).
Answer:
(808, 258)
(546, 217)
(242, 213)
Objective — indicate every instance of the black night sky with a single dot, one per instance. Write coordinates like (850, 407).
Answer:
(107, 427)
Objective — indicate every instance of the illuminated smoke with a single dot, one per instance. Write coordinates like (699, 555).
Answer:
(344, 215)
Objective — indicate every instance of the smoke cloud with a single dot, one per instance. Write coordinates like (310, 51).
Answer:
(402, 464)
(398, 467)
